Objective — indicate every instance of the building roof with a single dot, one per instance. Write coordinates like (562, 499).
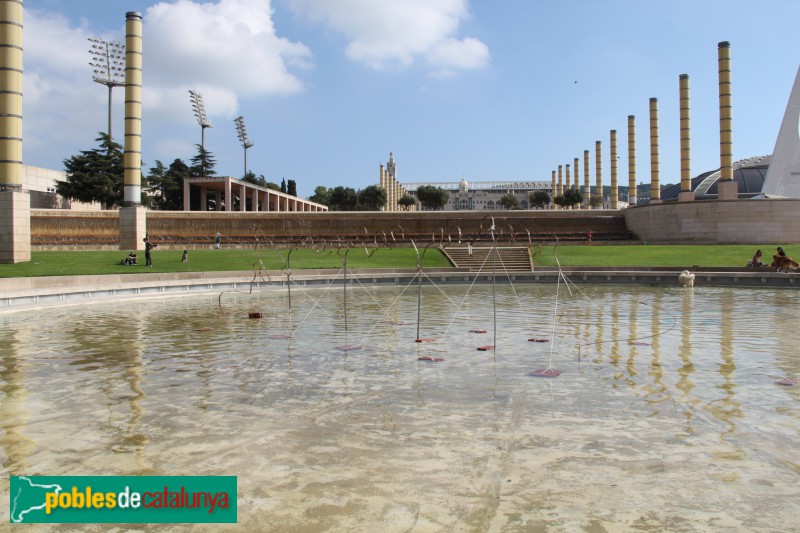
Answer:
(748, 173)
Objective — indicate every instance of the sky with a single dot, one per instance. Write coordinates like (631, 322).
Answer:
(487, 90)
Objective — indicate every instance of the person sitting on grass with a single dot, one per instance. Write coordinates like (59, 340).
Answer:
(131, 259)
(756, 260)
(784, 263)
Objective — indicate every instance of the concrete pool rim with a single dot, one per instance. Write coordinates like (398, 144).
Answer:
(21, 293)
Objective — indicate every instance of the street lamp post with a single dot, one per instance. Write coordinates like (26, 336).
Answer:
(200, 112)
(108, 62)
(241, 131)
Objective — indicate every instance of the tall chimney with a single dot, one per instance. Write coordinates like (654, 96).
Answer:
(553, 187)
(614, 184)
(686, 193)
(15, 227)
(598, 172)
(587, 189)
(132, 216)
(633, 193)
(655, 185)
(727, 189)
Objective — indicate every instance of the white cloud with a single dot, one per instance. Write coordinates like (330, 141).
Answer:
(225, 50)
(389, 33)
(222, 50)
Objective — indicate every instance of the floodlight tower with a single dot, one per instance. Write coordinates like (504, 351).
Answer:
(241, 131)
(108, 62)
(200, 112)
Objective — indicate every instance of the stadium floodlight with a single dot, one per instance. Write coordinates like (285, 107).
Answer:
(108, 63)
(241, 132)
(200, 113)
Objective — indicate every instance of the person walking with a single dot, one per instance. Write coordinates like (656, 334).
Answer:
(218, 242)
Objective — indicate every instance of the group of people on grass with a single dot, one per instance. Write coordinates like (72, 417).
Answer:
(132, 259)
(780, 261)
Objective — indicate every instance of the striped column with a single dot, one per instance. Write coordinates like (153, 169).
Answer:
(553, 188)
(727, 188)
(11, 95)
(655, 184)
(686, 193)
(15, 204)
(598, 173)
(633, 193)
(614, 185)
(560, 189)
(132, 216)
(567, 179)
(133, 109)
(587, 189)
(382, 185)
(576, 174)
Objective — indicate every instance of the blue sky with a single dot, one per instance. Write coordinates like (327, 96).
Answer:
(487, 90)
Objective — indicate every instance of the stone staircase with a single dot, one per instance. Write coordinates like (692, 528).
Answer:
(509, 259)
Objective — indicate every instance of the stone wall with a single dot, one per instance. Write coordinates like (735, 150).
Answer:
(764, 221)
(63, 228)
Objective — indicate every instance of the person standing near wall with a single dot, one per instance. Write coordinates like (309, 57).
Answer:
(218, 242)
(148, 246)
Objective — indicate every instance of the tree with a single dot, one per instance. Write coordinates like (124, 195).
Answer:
(95, 175)
(573, 197)
(322, 195)
(283, 185)
(596, 202)
(509, 201)
(250, 177)
(203, 163)
(561, 202)
(343, 199)
(291, 188)
(166, 185)
(406, 202)
(432, 197)
(372, 198)
(539, 199)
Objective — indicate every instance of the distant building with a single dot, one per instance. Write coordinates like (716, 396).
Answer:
(749, 174)
(482, 195)
(41, 184)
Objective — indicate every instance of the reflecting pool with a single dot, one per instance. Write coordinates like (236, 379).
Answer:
(671, 420)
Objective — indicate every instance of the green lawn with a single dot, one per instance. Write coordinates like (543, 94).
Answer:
(658, 255)
(108, 262)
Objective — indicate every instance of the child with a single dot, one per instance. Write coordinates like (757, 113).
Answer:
(185, 258)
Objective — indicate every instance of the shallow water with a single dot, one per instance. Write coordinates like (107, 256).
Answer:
(666, 415)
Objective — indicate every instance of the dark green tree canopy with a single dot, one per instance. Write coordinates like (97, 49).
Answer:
(406, 202)
(509, 201)
(203, 163)
(166, 185)
(539, 199)
(95, 175)
(573, 197)
(372, 198)
(283, 184)
(432, 197)
(343, 199)
(322, 195)
(291, 188)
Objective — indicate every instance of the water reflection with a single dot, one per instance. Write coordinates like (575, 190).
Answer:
(15, 414)
(175, 386)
